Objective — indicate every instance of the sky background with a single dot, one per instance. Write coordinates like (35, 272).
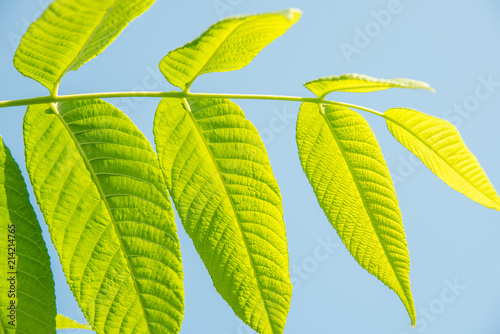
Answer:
(453, 242)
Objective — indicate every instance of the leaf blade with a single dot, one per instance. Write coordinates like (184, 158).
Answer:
(70, 33)
(345, 166)
(221, 182)
(359, 83)
(35, 295)
(438, 144)
(228, 45)
(64, 322)
(97, 180)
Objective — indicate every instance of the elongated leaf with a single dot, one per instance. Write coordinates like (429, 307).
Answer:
(359, 83)
(221, 182)
(228, 45)
(70, 33)
(345, 166)
(440, 147)
(63, 322)
(25, 274)
(99, 186)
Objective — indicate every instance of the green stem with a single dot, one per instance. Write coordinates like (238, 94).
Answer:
(174, 94)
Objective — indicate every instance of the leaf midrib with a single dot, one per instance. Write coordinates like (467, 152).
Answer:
(219, 173)
(108, 208)
(389, 118)
(243, 21)
(337, 140)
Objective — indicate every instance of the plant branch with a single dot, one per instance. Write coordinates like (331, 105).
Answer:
(176, 94)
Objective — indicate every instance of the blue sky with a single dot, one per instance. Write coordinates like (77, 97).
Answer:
(453, 242)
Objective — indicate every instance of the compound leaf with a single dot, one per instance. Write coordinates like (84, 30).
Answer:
(345, 166)
(440, 147)
(63, 322)
(70, 33)
(221, 182)
(359, 83)
(228, 45)
(99, 186)
(24, 258)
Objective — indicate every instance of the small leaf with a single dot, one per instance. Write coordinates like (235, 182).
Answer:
(221, 182)
(345, 166)
(440, 147)
(63, 322)
(70, 33)
(358, 83)
(228, 45)
(23, 258)
(99, 186)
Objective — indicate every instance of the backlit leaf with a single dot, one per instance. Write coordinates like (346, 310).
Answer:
(99, 186)
(359, 83)
(24, 260)
(221, 182)
(228, 45)
(440, 147)
(345, 166)
(70, 33)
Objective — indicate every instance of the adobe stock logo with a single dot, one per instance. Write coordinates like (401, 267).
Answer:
(437, 306)
(364, 36)
(15, 38)
(321, 253)
(225, 7)
(278, 123)
(323, 250)
(471, 103)
(151, 80)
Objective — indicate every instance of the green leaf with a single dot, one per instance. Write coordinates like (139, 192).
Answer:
(64, 322)
(70, 33)
(228, 45)
(221, 182)
(99, 186)
(345, 166)
(23, 257)
(440, 147)
(359, 83)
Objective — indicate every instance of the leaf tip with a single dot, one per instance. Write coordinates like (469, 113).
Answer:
(292, 14)
(309, 86)
(413, 318)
